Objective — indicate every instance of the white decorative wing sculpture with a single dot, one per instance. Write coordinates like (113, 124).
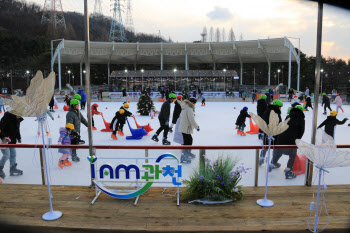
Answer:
(324, 153)
(274, 128)
(38, 96)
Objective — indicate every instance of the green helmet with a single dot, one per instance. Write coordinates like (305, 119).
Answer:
(324, 94)
(300, 107)
(267, 90)
(263, 97)
(172, 96)
(77, 97)
(74, 102)
(278, 103)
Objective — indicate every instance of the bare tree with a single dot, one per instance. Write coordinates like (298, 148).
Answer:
(232, 35)
(217, 35)
(211, 34)
(223, 34)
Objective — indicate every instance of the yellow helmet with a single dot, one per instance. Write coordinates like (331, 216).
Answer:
(121, 111)
(126, 105)
(333, 113)
(70, 126)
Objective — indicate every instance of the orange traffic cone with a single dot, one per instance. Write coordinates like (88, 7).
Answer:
(299, 166)
(58, 116)
(106, 107)
(254, 129)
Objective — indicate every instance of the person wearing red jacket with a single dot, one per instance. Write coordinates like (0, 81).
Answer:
(94, 111)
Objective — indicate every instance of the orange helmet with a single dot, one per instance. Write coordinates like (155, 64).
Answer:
(96, 105)
(0, 95)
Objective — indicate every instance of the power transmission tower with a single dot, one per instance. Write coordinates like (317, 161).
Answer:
(53, 14)
(232, 36)
(241, 37)
(97, 8)
(204, 35)
(117, 33)
(217, 35)
(211, 34)
(223, 34)
(129, 22)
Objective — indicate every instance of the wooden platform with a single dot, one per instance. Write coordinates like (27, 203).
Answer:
(23, 206)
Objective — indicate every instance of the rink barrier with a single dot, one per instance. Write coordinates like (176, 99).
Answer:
(201, 149)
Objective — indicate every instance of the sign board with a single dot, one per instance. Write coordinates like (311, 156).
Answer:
(235, 77)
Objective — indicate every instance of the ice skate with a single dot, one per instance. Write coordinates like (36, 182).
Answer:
(2, 173)
(155, 138)
(261, 161)
(260, 136)
(67, 162)
(120, 133)
(273, 166)
(325, 113)
(238, 132)
(114, 137)
(61, 163)
(289, 174)
(166, 142)
(94, 128)
(243, 134)
(185, 158)
(75, 158)
(14, 171)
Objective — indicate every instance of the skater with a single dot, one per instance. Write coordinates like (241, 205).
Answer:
(94, 111)
(292, 106)
(330, 123)
(290, 94)
(276, 107)
(338, 100)
(75, 117)
(203, 99)
(124, 95)
(271, 93)
(176, 113)
(2, 104)
(295, 131)
(100, 93)
(125, 107)
(166, 94)
(10, 134)
(83, 100)
(240, 122)
(253, 96)
(47, 112)
(301, 97)
(295, 99)
(194, 93)
(326, 103)
(308, 103)
(67, 100)
(244, 94)
(65, 139)
(51, 104)
(268, 97)
(117, 124)
(307, 91)
(187, 124)
(261, 108)
(164, 120)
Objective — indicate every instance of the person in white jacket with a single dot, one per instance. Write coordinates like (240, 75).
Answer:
(187, 124)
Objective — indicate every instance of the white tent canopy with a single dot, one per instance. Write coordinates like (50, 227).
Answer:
(252, 51)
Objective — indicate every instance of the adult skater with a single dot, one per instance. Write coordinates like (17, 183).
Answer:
(339, 102)
(125, 99)
(271, 93)
(330, 123)
(268, 97)
(295, 131)
(75, 117)
(100, 93)
(47, 112)
(261, 108)
(308, 103)
(326, 102)
(176, 113)
(2, 104)
(240, 121)
(10, 134)
(83, 100)
(187, 124)
(290, 94)
(164, 120)
(51, 104)
(307, 91)
(276, 107)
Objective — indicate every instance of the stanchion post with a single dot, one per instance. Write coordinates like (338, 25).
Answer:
(43, 174)
(256, 167)
(201, 159)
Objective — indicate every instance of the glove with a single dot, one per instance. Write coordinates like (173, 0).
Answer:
(170, 129)
(19, 141)
(167, 123)
(198, 129)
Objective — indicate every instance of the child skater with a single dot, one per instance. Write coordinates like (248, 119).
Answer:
(339, 102)
(65, 139)
(2, 104)
(244, 94)
(308, 103)
(94, 111)
(240, 122)
(326, 102)
(117, 124)
(203, 99)
(331, 122)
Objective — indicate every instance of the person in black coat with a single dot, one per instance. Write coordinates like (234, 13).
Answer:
(291, 94)
(240, 122)
(10, 133)
(331, 122)
(117, 123)
(268, 97)
(295, 131)
(163, 117)
(167, 94)
(176, 113)
(326, 102)
(67, 100)
(261, 108)
(51, 104)
(308, 103)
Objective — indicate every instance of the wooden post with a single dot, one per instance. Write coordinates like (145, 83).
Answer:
(43, 175)
(201, 159)
(146, 160)
(256, 167)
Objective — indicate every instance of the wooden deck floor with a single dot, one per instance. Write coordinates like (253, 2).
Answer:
(23, 206)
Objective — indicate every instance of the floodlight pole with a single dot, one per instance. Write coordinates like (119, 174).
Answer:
(87, 78)
(309, 169)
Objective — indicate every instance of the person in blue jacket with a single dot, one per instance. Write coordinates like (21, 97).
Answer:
(271, 94)
(83, 99)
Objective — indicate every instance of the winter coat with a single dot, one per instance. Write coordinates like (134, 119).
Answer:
(75, 117)
(124, 92)
(165, 111)
(52, 102)
(187, 122)
(261, 107)
(244, 94)
(296, 128)
(178, 137)
(268, 97)
(2, 101)
(195, 94)
(118, 117)
(65, 139)
(307, 92)
(94, 111)
(177, 112)
(308, 101)
(291, 92)
(266, 118)
(67, 100)
(330, 123)
(326, 101)
(241, 117)
(83, 96)
(338, 101)
(10, 127)
(272, 92)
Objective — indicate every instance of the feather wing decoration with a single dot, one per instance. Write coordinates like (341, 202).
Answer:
(324, 153)
(274, 128)
(37, 98)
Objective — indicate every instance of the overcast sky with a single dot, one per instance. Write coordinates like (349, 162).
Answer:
(183, 20)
